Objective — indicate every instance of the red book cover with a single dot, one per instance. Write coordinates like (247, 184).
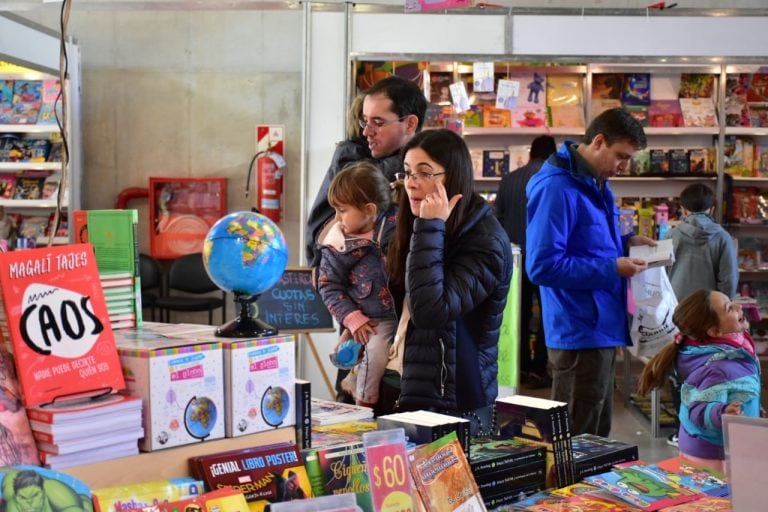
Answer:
(58, 324)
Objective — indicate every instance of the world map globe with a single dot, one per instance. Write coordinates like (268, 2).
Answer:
(274, 405)
(245, 253)
(200, 417)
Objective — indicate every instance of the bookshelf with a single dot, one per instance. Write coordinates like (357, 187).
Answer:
(168, 463)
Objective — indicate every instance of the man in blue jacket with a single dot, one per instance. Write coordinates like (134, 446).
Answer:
(576, 254)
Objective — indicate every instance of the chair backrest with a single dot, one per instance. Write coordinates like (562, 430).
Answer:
(188, 274)
(150, 272)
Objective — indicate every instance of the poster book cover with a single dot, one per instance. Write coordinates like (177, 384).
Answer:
(607, 86)
(56, 315)
(265, 474)
(642, 489)
(442, 476)
(57, 487)
(343, 469)
(18, 444)
(697, 85)
(636, 89)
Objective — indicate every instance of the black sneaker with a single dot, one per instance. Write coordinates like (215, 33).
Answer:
(672, 440)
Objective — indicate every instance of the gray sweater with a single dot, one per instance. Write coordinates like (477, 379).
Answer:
(705, 257)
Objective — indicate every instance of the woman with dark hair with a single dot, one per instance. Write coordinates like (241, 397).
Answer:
(452, 260)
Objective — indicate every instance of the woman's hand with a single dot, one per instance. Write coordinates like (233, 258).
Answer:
(436, 204)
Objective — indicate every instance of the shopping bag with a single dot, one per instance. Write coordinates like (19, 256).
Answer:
(655, 302)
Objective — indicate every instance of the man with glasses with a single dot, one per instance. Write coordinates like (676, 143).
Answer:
(392, 113)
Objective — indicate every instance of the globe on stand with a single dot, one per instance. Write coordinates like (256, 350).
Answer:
(245, 253)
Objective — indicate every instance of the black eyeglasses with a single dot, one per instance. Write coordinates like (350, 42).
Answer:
(378, 124)
(417, 176)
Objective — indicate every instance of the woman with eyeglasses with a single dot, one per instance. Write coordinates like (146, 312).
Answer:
(453, 260)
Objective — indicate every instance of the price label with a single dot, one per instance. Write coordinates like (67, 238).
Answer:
(390, 480)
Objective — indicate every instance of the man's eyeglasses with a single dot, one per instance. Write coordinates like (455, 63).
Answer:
(378, 124)
(417, 176)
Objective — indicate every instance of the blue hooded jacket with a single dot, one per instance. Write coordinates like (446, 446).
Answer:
(573, 241)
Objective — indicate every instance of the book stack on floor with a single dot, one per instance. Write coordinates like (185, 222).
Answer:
(595, 454)
(544, 422)
(113, 234)
(87, 431)
(425, 426)
(506, 469)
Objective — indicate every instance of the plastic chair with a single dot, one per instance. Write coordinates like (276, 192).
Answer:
(151, 279)
(187, 274)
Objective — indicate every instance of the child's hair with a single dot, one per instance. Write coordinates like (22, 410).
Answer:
(693, 317)
(697, 197)
(358, 184)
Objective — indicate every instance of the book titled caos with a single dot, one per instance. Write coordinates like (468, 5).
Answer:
(55, 320)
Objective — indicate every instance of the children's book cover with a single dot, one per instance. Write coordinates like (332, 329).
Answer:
(529, 117)
(439, 88)
(17, 445)
(133, 496)
(27, 98)
(29, 186)
(698, 478)
(566, 116)
(57, 320)
(601, 105)
(665, 114)
(703, 505)
(344, 470)
(665, 86)
(533, 89)
(640, 113)
(443, 478)
(51, 106)
(758, 114)
(565, 89)
(761, 160)
(736, 87)
(24, 484)
(697, 85)
(643, 489)
(699, 161)
(636, 89)
(491, 455)
(607, 86)
(758, 88)
(6, 101)
(7, 182)
(698, 112)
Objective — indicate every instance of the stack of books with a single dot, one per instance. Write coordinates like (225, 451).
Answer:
(544, 422)
(87, 431)
(328, 412)
(593, 454)
(423, 427)
(113, 234)
(506, 469)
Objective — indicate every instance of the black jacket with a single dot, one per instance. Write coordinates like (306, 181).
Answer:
(457, 295)
(348, 151)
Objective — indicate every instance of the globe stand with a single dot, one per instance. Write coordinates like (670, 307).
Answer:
(246, 325)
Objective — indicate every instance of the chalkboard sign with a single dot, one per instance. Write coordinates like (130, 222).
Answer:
(293, 304)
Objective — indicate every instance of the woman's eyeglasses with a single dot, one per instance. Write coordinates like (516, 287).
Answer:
(417, 176)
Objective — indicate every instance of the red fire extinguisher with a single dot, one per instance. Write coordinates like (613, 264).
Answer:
(269, 183)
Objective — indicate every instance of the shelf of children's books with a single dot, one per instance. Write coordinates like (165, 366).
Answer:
(661, 67)
(747, 130)
(30, 166)
(699, 130)
(28, 203)
(29, 128)
(754, 274)
(471, 131)
(168, 463)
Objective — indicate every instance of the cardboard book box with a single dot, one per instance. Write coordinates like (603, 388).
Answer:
(181, 383)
